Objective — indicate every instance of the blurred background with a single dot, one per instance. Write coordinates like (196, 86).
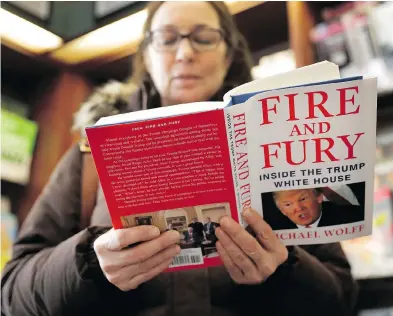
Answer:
(53, 54)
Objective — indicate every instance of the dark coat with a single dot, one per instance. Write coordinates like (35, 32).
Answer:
(332, 214)
(197, 228)
(49, 272)
(196, 238)
(211, 229)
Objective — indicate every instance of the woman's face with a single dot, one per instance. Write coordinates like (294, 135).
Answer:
(185, 75)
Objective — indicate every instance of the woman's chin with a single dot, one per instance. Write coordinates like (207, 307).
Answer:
(189, 97)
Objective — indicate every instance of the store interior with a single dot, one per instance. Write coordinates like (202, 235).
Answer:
(53, 54)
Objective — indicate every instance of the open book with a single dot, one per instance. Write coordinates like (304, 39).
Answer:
(298, 147)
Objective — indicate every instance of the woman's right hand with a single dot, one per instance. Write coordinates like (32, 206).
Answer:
(127, 267)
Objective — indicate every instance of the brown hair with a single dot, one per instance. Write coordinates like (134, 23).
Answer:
(239, 71)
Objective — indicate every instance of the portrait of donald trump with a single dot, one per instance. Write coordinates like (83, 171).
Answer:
(306, 208)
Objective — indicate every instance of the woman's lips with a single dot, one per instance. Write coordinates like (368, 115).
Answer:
(186, 80)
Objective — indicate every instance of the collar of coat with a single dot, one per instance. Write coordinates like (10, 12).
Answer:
(112, 98)
(109, 99)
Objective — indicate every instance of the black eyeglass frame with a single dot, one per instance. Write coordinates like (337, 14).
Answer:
(149, 38)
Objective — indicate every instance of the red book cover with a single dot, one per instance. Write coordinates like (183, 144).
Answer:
(190, 185)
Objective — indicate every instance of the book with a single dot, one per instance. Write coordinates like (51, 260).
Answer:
(298, 147)
(9, 229)
(355, 36)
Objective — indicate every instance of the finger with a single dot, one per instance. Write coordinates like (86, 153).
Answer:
(144, 277)
(237, 255)
(114, 260)
(247, 243)
(263, 231)
(117, 239)
(123, 275)
(163, 256)
(149, 248)
(233, 270)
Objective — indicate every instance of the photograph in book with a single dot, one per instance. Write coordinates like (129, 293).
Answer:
(196, 225)
(304, 140)
(309, 208)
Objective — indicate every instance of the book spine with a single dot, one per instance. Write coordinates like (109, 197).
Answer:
(235, 119)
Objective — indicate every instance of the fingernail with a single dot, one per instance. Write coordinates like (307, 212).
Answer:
(247, 212)
(175, 236)
(154, 232)
(223, 220)
(262, 235)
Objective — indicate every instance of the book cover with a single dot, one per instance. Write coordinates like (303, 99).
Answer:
(297, 147)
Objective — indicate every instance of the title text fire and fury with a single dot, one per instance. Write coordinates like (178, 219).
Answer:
(312, 138)
(241, 154)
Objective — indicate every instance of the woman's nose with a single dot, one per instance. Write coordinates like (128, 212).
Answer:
(185, 52)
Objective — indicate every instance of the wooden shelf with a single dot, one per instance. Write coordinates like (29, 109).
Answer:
(265, 25)
(22, 75)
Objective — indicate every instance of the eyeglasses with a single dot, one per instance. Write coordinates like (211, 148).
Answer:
(201, 39)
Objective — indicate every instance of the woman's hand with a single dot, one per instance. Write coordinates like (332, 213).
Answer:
(249, 260)
(127, 267)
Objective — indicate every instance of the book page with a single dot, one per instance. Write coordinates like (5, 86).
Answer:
(311, 156)
(317, 72)
(161, 112)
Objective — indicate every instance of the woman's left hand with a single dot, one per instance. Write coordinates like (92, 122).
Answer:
(249, 260)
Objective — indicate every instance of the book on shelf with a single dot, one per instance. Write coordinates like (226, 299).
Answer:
(298, 147)
(358, 37)
(9, 229)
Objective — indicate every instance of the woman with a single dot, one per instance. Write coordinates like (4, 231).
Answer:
(191, 52)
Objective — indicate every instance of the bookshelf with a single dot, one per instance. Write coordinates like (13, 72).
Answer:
(47, 94)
